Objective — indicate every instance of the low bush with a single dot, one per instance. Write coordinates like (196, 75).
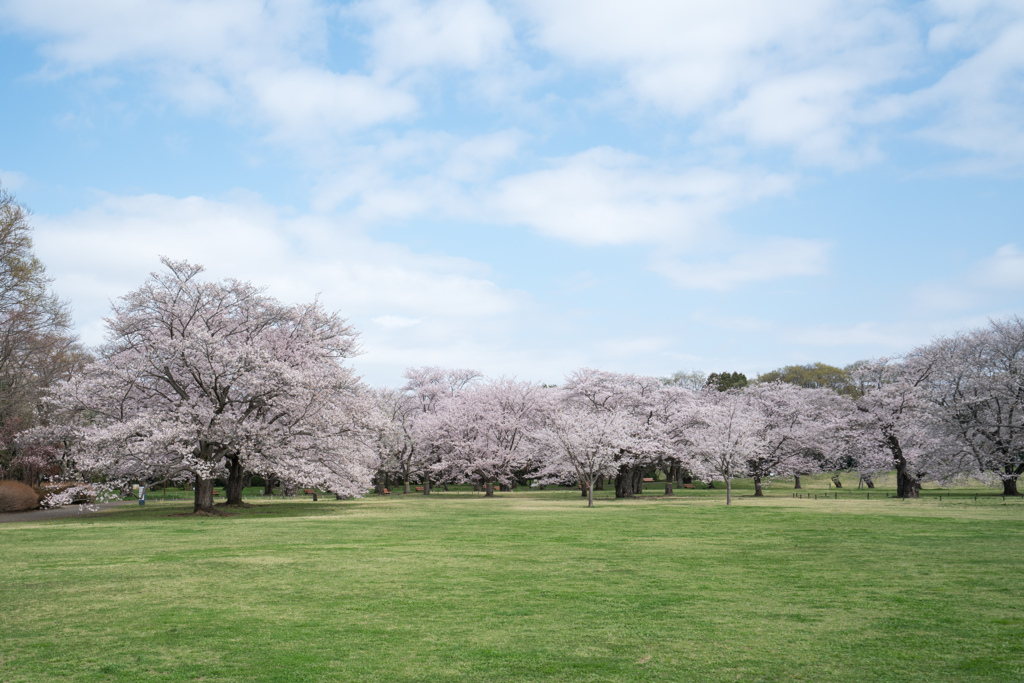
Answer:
(15, 497)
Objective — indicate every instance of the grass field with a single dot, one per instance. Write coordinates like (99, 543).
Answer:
(526, 586)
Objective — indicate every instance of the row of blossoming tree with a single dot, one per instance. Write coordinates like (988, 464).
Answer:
(203, 380)
(945, 411)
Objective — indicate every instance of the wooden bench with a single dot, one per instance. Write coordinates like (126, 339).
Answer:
(689, 486)
(648, 480)
(308, 492)
(419, 488)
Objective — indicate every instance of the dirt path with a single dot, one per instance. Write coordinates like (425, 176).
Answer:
(59, 513)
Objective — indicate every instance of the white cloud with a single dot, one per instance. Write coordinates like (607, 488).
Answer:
(1003, 270)
(256, 59)
(409, 34)
(983, 284)
(605, 196)
(312, 103)
(396, 321)
(768, 260)
(792, 73)
(103, 252)
(13, 180)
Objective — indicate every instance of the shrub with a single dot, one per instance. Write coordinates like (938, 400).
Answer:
(15, 497)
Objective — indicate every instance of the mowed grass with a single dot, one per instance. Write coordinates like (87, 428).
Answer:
(527, 586)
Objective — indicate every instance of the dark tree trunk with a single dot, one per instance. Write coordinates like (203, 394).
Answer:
(314, 495)
(426, 486)
(599, 484)
(584, 489)
(638, 481)
(268, 485)
(728, 490)
(868, 481)
(624, 483)
(758, 492)
(378, 485)
(668, 488)
(796, 478)
(204, 495)
(233, 491)
(406, 489)
(835, 480)
(489, 490)
(1010, 479)
(476, 487)
(907, 485)
(711, 483)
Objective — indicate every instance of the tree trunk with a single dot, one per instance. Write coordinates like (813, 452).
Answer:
(758, 493)
(489, 490)
(406, 489)
(867, 480)
(624, 483)
(233, 490)
(1010, 479)
(638, 481)
(728, 490)
(584, 489)
(590, 496)
(687, 477)
(476, 487)
(426, 486)
(835, 480)
(268, 485)
(204, 496)
(668, 487)
(796, 478)
(711, 483)
(599, 484)
(907, 485)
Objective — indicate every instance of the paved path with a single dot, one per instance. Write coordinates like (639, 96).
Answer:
(59, 513)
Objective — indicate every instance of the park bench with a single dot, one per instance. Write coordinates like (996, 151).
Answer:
(689, 486)
(419, 488)
(308, 492)
(648, 480)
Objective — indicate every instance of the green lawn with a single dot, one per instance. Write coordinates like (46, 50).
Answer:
(525, 586)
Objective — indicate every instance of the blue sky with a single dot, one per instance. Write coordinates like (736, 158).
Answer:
(526, 187)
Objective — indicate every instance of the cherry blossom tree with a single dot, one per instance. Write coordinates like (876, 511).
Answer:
(646, 401)
(582, 443)
(393, 441)
(976, 383)
(728, 435)
(481, 433)
(799, 429)
(430, 386)
(900, 428)
(201, 376)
